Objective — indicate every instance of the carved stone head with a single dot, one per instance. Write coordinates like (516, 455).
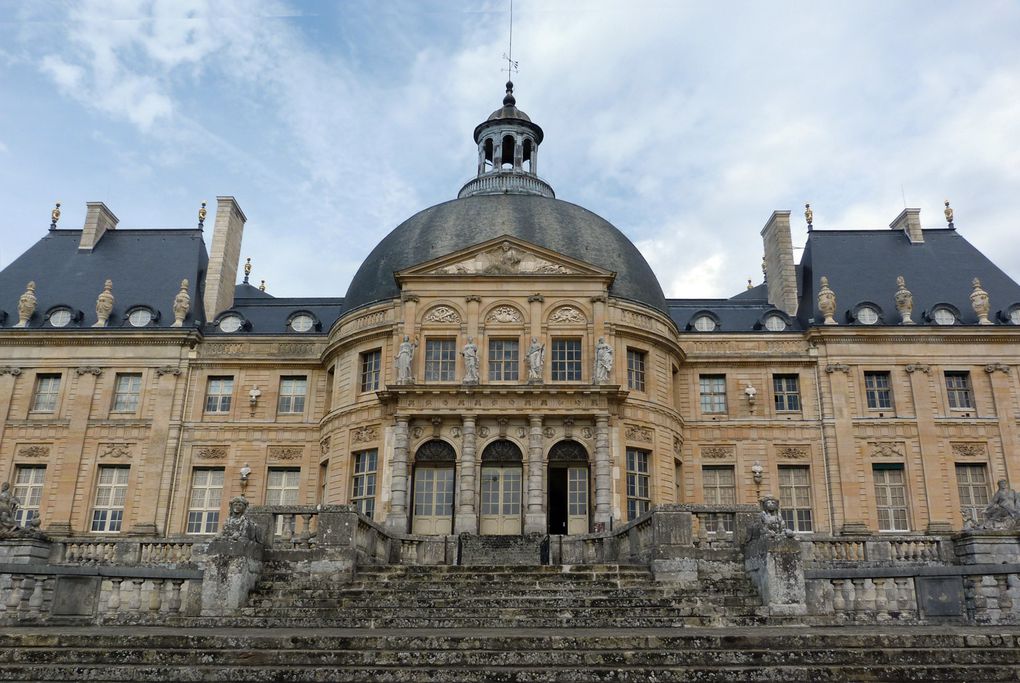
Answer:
(238, 506)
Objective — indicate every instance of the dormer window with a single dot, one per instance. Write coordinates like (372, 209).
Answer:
(1014, 315)
(60, 317)
(302, 322)
(705, 323)
(866, 315)
(230, 323)
(943, 316)
(140, 317)
(775, 323)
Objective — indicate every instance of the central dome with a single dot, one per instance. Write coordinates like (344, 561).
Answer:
(551, 223)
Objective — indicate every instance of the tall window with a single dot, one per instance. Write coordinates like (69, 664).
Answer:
(891, 497)
(786, 389)
(440, 360)
(878, 390)
(713, 393)
(217, 394)
(504, 360)
(566, 360)
(363, 490)
(795, 497)
(204, 508)
(972, 483)
(47, 388)
(111, 491)
(127, 388)
(958, 389)
(638, 497)
(282, 486)
(719, 486)
(28, 487)
(636, 369)
(371, 365)
(292, 395)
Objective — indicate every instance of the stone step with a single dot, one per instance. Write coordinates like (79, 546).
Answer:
(481, 604)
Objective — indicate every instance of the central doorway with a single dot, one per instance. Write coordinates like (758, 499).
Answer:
(501, 485)
(568, 488)
(434, 466)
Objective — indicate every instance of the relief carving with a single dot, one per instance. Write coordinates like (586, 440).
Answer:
(886, 450)
(638, 433)
(718, 452)
(286, 452)
(997, 367)
(567, 314)
(88, 370)
(114, 450)
(168, 370)
(324, 446)
(9, 370)
(792, 452)
(918, 367)
(968, 450)
(442, 314)
(504, 314)
(211, 453)
(34, 451)
(837, 367)
(505, 259)
(364, 434)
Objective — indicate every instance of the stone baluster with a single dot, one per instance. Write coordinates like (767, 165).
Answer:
(860, 601)
(156, 595)
(35, 601)
(113, 601)
(973, 601)
(838, 601)
(175, 595)
(136, 595)
(306, 533)
(14, 597)
(881, 600)
(905, 599)
(849, 598)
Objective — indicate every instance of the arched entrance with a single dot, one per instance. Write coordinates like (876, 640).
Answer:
(500, 499)
(434, 465)
(568, 488)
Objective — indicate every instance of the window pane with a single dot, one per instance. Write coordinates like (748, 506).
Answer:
(504, 360)
(959, 390)
(47, 388)
(440, 360)
(972, 484)
(713, 393)
(878, 390)
(28, 487)
(218, 394)
(363, 482)
(111, 492)
(786, 389)
(636, 369)
(795, 497)
(126, 391)
(638, 496)
(371, 365)
(292, 394)
(890, 498)
(566, 360)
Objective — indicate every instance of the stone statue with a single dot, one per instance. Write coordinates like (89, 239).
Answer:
(182, 304)
(770, 522)
(471, 362)
(239, 527)
(904, 301)
(405, 356)
(827, 301)
(603, 361)
(104, 304)
(1003, 512)
(980, 303)
(536, 361)
(8, 506)
(26, 305)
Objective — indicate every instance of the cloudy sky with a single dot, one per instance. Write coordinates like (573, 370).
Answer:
(683, 123)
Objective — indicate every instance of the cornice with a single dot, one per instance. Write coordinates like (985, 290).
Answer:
(919, 334)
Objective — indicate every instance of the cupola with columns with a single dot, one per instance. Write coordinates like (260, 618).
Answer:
(507, 153)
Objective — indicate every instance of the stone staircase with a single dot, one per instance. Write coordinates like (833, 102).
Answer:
(503, 596)
(510, 655)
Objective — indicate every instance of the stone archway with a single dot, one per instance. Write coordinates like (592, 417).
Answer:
(433, 493)
(500, 507)
(569, 488)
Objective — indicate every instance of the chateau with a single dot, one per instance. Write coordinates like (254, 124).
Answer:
(505, 363)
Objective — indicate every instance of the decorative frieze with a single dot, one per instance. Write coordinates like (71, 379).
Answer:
(114, 451)
(837, 367)
(286, 452)
(88, 370)
(168, 370)
(364, 434)
(211, 452)
(567, 315)
(33, 451)
(719, 452)
(918, 367)
(536, 297)
(504, 314)
(997, 367)
(969, 450)
(472, 298)
(793, 452)
(886, 450)
(10, 370)
(442, 314)
(639, 433)
(324, 446)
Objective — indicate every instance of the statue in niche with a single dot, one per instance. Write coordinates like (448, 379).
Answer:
(603, 361)
(182, 304)
(405, 356)
(104, 304)
(980, 303)
(239, 526)
(904, 301)
(26, 305)
(471, 362)
(1003, 512)
(827, 301)
(770, 522)
(536, 361)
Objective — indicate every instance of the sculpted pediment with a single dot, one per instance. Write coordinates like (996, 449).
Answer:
(505, 256)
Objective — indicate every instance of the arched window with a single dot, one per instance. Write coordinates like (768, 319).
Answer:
(507, 157)
(488, 154)
(527, 156)
(502, 451)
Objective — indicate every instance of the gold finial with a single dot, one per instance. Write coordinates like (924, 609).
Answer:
(749, 285)
(262, 287)
(809, 216)
(247, 269)
(201, 216)
(949, 214)
(54, 216)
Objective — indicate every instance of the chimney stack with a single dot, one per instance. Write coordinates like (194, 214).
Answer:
(781, 274)
(909, 221)
(98, 219)
(225, 255)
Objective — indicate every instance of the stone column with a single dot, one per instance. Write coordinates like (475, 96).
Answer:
(397, 519)
(603, 473)
(534, 518)
(467, 514)
(931, 460)
(1000, 375)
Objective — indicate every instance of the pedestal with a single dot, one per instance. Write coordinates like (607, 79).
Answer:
(776, 567)
(987, 546)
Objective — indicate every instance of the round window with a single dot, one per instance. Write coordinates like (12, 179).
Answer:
(775, 323)
(140, 317)
(704, 323)
(231, 323)
(1014, 316)
(60, 317)
(943, 316)
(866, 315)
(301, 323)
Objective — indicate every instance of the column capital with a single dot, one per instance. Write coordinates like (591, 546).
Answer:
(466, 419)
(535, 420)
(402, 419)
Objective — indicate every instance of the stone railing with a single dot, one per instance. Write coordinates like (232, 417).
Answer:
(290, 526)
(124, 551)
(820, 550)
(502, 183)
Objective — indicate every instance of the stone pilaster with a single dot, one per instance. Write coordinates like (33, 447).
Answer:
(931, 460)
(8, 377)
(467, 514)
(603, 473)
(70, 464)
(846, 452)
(159, 457)
(534, 518)
(397, 518)
(1000, 376)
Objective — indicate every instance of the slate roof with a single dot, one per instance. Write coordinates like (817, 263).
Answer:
(146, 267)
(266, 314)
(862, 266)
(731, 315)
(551, 223)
